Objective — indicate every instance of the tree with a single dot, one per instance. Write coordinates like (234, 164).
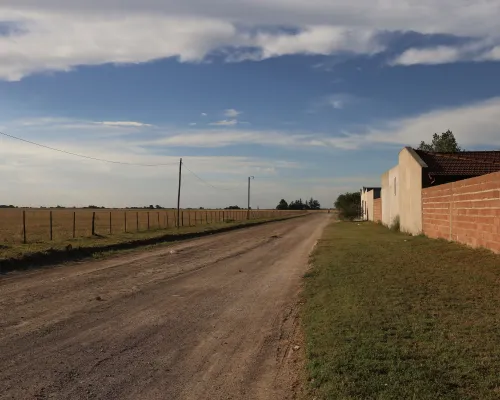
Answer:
(297, 205)
(349, 205)
(233, 208)
(313, 204)
(283, 205)
(444, 142)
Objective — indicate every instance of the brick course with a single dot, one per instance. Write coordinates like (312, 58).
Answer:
(467, 211)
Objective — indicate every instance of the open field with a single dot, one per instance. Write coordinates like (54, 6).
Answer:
(19, 255)
(389, 316)
(77, 223)
(211, 318)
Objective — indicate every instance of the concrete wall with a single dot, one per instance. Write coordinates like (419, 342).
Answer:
(369, 205)
(364, 201)
(467, 211)
(390, 196)
(377, 210)
(410, 188)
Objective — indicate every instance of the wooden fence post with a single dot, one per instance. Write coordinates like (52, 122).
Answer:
(189, 217)
(93, 223)
(51, 225)
(148, 220)
(137, 220)
(110, 226)
(74, 224)
(158, 220)
(195, 218)
(166, 218)
(125, 220)
(182, 218)
(24, 226)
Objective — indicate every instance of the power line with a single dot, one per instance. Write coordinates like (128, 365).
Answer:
(205, 182)
(84, 156)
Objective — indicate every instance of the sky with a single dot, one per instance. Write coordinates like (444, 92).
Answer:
(313, 99)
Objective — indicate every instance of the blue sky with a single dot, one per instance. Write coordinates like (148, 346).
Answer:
(312, 101)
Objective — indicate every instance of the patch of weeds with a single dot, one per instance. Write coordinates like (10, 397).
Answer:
(396, 224)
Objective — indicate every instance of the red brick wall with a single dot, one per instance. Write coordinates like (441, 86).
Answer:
(377, 210)
(467, 211)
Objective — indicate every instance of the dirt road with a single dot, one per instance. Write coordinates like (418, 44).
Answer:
(212, 318)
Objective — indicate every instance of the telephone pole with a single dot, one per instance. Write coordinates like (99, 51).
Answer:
(248, 210)
(179, 196)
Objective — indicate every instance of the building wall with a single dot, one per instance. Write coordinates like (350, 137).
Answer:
(377, 210)
(467, 211)
(369, 205)
(390, 196)
(410, 188)
(364, 201)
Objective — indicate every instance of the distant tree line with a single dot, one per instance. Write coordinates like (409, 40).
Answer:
(299, 205)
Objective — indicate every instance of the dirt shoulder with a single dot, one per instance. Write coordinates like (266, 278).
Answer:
(211, 318)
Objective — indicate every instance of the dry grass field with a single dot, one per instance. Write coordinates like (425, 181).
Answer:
(77, 223)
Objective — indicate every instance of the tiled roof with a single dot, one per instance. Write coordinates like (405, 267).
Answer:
(465, 163)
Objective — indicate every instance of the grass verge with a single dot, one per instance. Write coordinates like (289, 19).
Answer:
(389, 316)
(45, 253)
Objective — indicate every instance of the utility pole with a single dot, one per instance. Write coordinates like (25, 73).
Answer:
(179, 196)
(248, 210)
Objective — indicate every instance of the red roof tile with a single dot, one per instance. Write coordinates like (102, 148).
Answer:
(465, 163)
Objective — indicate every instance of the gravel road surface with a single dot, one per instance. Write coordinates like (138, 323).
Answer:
(211, 318)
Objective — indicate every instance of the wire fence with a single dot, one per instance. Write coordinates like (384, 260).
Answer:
(35, 225)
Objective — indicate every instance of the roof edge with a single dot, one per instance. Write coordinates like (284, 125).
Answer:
(415, 156)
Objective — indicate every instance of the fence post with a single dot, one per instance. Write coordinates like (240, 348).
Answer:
(93, 223)
(74, 224)
(195, 218)
(51, 225)
(182, 218)
(158, 220)
(110, 226)
(148, 220)
(24, 226)
(125, 220)
(166, 218)
(189, 217)
(137, 220)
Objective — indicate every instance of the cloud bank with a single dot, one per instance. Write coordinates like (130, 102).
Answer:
(64, 34)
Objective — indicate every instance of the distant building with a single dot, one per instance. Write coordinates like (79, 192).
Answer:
(368, 195)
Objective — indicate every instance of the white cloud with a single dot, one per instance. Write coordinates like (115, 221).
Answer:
(192, 124)
(474, 125)
(434, 55)
(225, 122)
(63, 34)
(215, 138)
(337, 104)
(131, 124)
(232, 113)
(477, 50)
(204, 114)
